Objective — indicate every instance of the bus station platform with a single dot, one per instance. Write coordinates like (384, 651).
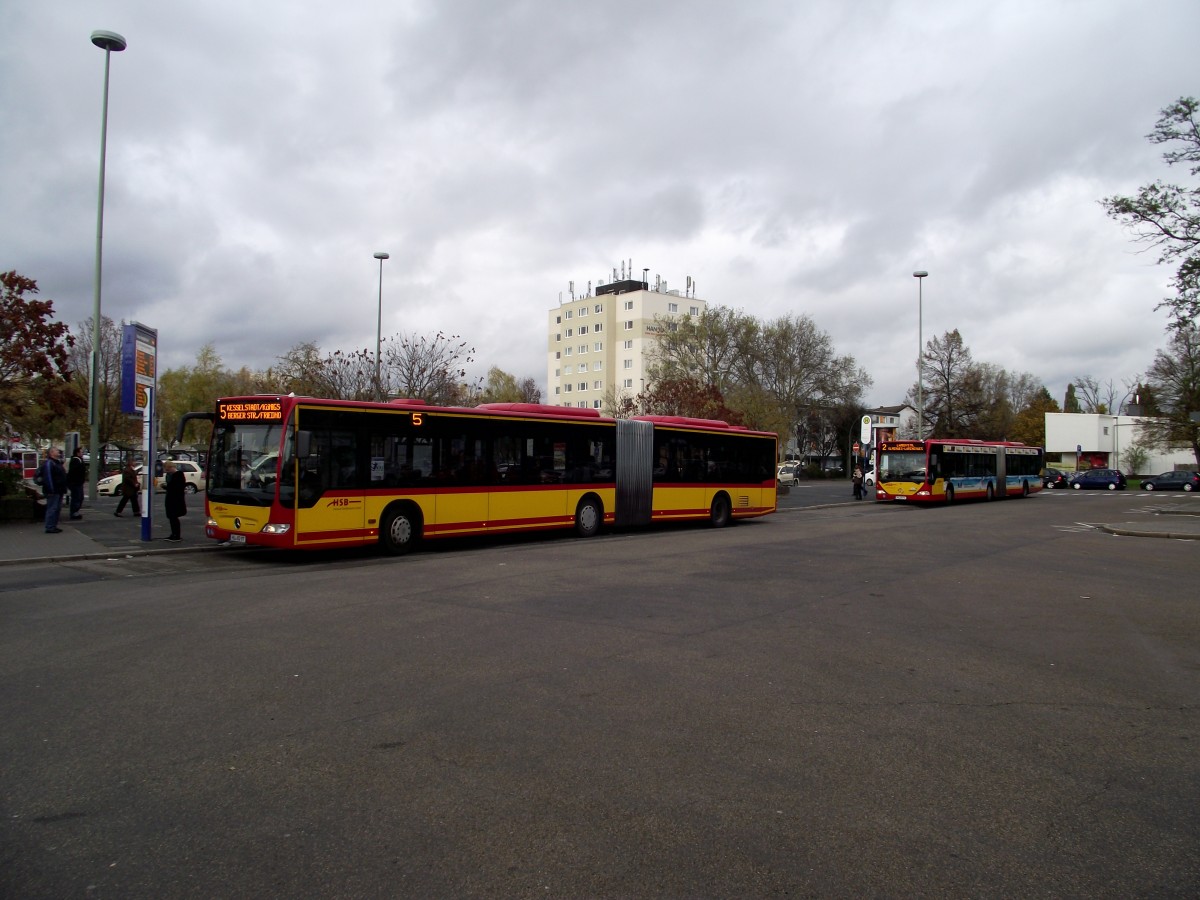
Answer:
(102, 535)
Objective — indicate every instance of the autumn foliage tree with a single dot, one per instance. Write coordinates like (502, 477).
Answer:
(35, 393)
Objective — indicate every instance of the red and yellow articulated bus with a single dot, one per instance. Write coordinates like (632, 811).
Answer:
(300, 472)
(946, 470)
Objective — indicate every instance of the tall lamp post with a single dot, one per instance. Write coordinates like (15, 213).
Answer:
(920, 275)
(381, 256)
(108, 41)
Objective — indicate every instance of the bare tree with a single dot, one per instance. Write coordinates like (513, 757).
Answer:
(953, 386)
(431, 369)
(1103, 398)
(115, 426)
(1175, 380)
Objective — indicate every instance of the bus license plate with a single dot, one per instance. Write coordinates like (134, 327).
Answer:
(237, 539)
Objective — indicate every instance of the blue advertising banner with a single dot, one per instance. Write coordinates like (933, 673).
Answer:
(139, 351)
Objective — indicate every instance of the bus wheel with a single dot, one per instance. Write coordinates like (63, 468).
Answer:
(989, 492)
(949, 493)
(721, 513)
(401, 530)
(588, 516)
(1024, 488)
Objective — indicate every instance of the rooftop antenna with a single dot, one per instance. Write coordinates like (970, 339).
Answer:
(572, 284)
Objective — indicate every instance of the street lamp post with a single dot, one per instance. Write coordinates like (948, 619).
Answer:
(920, 275)
(108, 41)
(381, 256)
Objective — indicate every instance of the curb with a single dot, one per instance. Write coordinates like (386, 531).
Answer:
(1133, 532)
(114, 554)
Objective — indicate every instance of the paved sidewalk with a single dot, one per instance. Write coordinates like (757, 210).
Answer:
(100, 534)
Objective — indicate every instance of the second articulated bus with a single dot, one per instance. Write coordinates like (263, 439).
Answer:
(946, 470)
(300, 472)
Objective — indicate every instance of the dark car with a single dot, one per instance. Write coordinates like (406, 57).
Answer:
(1173, 481)
(1055, 478)
(1110, 479)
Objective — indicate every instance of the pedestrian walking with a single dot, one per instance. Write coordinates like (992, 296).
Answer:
(130, 489)
(54, 487)
(174, 483)
(76, 476)
(857, 480)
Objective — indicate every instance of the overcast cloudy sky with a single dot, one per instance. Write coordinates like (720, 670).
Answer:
(795, 157)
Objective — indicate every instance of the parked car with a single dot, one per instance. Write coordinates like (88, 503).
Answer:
(111, 486)
(1055, 478)
(868, 475)
(1110, 479)
(193, 476)
(1173, 481)
(786, 473)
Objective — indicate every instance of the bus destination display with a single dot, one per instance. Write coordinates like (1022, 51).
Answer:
(249, 411)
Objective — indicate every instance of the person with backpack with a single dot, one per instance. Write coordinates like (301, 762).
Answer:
(54, 485)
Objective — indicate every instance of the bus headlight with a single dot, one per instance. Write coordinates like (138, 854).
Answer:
(273, 528)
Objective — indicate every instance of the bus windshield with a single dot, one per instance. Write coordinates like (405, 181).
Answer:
(243, 462)
(905, 465)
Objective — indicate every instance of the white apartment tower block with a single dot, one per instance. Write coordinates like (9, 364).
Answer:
(599, 346)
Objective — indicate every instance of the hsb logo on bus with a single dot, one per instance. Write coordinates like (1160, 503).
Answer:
(342, 501)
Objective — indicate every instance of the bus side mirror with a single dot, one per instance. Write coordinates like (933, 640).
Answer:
(303, 444)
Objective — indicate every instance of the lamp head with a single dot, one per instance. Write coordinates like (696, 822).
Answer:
(108, 40)
(381, 255)
(921, 273)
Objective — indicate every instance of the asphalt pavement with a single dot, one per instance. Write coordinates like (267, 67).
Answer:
(100, 534)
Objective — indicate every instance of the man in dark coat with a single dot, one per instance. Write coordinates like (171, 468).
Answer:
(54, 486)
(175, 485)
(131, 488)
(76, 477)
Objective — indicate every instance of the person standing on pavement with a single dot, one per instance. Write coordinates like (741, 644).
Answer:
(54, 486)
(130, 488)
(857, 479)
(76, 477)
(174, 484)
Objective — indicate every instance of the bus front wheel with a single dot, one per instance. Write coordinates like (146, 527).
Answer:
(588, 516)
(401, 530)
(989, 492)
(949, 493)
(721, 513)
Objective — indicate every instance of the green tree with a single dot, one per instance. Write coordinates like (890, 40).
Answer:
(1029, 426)
(1071, 402)
(1167, 216)
(502, 387)
(196, 389)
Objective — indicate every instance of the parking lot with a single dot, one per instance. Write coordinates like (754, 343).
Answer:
(845, 699)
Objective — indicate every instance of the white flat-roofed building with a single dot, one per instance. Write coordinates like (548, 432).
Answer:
(1096, 440)
(598, 346)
